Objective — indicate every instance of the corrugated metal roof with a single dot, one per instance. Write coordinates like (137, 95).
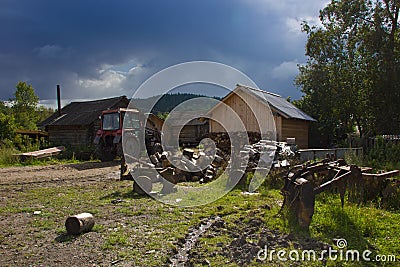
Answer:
(278, 104)
(84, 113)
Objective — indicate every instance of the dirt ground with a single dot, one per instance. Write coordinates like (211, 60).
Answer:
(57, 174)
(130, 230)
(21, 241)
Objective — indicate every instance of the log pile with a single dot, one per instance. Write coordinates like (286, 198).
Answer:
(209, 161)
(222, 139)
(206, 165)
(200, 167)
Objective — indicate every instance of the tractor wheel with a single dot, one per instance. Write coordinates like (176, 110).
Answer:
(145, 185)
(103, 154)
(131, 146)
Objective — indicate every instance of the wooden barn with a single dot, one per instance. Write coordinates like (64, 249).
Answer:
(290, 122)
(191, 132)
(154, 122)
(76, 123)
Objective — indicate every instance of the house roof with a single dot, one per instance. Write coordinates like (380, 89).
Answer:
(276, 102)
(179, 117)
(84, 113)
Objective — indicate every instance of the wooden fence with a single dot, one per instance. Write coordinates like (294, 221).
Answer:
(313, 154)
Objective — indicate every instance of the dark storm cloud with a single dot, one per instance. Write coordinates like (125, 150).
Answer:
(103, 48)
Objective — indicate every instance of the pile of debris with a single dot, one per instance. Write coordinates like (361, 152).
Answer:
(277, 153)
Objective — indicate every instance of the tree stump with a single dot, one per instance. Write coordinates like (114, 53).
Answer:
(236, 178)
(80, 223)
(142, 185)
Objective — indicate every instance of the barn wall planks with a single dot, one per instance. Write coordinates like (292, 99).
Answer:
(244, 105)
(297, 129)
(285, 128)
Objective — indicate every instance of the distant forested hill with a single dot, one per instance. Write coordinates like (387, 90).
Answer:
(168, 101)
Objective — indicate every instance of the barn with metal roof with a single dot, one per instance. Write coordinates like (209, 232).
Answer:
(288, 120)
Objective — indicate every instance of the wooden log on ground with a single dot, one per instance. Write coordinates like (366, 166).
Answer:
(142, 185)
(80, 223)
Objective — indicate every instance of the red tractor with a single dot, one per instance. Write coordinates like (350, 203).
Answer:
(113, 123)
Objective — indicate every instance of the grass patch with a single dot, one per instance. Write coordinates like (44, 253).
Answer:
(140, 230)
(363, 227)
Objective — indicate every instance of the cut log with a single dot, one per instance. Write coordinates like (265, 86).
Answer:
(154, 160)
(169, 175)
(80, 223)
(188, 153)
(142, 185)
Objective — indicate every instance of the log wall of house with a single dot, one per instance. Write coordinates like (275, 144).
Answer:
(158, 123)
(188, 134)
(71, 135)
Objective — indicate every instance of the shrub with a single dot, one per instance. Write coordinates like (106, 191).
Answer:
(7, 156)
(384, 154)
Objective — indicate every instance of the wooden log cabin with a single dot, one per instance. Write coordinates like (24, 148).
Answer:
(76, 123)
(290, 122)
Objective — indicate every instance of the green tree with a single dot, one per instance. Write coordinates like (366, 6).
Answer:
(7, 126)
(25, 106)
(43, 113)
(351, 75)
(3, 108)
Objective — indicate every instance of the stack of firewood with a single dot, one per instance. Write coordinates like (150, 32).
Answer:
(208, 162)
(202, 166)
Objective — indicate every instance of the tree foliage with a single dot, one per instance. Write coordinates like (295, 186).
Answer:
(25, 105)
(7, 126)
(43, 113)
(351, 77)
(22, 112)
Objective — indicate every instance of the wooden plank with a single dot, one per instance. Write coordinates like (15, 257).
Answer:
(48, 152)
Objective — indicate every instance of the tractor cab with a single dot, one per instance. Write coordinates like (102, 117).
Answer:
(113, 120)
(109, 136)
